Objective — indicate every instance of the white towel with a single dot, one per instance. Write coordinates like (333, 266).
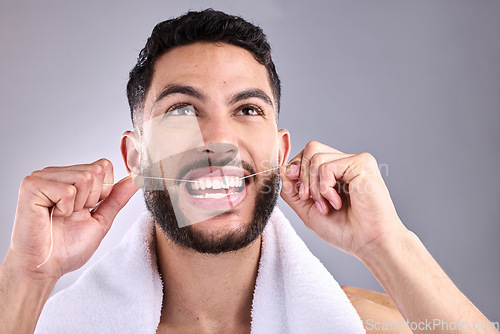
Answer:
(122, 292)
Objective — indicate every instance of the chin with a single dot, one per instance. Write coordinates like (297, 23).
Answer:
(233, 211)
(228, 230)
(231, 220)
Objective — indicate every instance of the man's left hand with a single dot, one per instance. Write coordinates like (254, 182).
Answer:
(341, 197)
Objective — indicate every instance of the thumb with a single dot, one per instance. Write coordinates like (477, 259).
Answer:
(290, 194)
(121, 193)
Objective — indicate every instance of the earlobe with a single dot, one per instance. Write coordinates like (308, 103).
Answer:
(284, 146)
(131, 153)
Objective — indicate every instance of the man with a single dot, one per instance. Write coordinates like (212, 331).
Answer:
(217, 70)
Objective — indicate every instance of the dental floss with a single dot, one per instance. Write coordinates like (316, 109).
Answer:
(110, 184)
(51, 239)
(267, 170)
(182, 180)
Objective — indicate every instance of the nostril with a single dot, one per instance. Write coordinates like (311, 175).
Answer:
(219, 149)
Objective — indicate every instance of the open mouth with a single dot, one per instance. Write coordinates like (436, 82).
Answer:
(215, 187)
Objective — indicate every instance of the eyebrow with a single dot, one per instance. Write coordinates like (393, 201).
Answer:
(251, 93)
(180, 89)
(195, 93)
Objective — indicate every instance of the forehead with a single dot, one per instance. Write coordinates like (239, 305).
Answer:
(217, 69)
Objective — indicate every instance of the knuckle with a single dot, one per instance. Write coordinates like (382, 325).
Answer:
(86, 177)
(49, 169)
(367, 158)
(315, 159)
(70, 192)
(323, 169)
(37, 173)
(29, 181)
(312, 143)
(105, 163)
(312, 151)
(98, 170)
(310, 148)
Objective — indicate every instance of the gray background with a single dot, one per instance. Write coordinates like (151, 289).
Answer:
(416, 83)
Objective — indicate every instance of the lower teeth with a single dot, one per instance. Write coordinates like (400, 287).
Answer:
(213, 195)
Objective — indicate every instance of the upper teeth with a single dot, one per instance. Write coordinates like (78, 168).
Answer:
(224, 182)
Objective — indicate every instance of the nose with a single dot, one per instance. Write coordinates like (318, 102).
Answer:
(222, 153)
(219, 137)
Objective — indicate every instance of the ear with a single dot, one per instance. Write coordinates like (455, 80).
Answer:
(131, 152)
(284, 146)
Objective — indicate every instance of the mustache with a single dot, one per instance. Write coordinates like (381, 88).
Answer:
(211, 155)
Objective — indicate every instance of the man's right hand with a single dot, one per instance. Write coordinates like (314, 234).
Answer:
(77, 230)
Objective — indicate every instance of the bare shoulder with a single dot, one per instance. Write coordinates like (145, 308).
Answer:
(376, 310)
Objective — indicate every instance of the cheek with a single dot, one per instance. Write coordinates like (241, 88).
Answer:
(264, 150)
(167, 137)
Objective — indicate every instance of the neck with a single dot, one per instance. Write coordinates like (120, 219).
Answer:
(207, 290)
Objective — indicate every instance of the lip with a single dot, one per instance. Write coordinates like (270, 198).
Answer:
(225, 203)
(216, 171)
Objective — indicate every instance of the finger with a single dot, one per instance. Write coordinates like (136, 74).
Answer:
(102, 170)
(328, 180)
(81, 180)
(309, 151)
(316, 160)
(108, 177)
(317, 183)
(292, 171)
(358, 171)
(104, 163)
(120, 194)
(290, 194)
(289, 187)
(36, 193)
(298, 172)
(99, 191)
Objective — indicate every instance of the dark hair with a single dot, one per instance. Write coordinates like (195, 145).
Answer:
(204, 26)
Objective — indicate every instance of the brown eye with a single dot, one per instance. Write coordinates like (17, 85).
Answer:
(249, 111)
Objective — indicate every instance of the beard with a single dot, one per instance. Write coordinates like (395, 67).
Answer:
(160, 206)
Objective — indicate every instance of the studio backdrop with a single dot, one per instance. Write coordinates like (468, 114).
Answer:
(415, 83)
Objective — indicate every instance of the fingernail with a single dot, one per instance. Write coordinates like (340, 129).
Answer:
(293, 169)
(335, 204)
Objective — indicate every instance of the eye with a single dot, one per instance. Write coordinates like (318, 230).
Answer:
(183, 110)
(250, 111)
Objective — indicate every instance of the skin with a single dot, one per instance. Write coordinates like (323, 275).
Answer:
(362, 223)
(73, 191)
(197, 298)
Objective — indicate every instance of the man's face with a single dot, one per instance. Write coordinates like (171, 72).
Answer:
(226, 128)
